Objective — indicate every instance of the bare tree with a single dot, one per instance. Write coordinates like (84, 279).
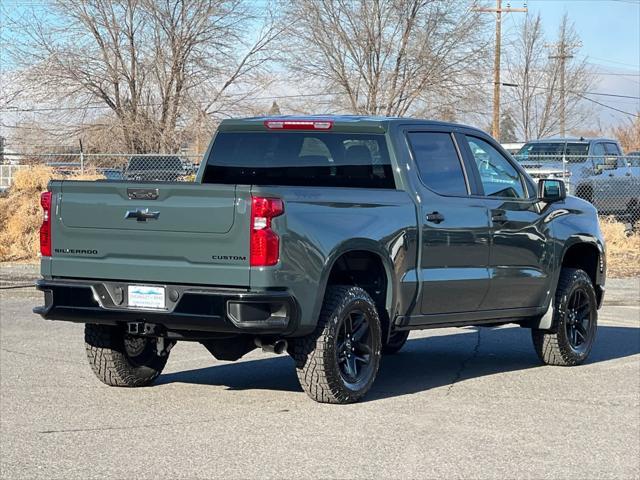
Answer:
(154, 64)
(628, 133)
(536, 69)
(388, 57)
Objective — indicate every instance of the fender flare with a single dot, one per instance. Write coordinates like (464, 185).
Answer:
(366, 245)
(546, 321)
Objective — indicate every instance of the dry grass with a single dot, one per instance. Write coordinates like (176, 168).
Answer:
(21, 214)
(623, 249)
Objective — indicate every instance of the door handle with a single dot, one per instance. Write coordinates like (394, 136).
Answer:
(435, 217)
(499, 217)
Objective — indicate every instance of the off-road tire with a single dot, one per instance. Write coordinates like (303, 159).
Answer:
(112, 364)
(316, 355)
(553, 346)
(395, 342)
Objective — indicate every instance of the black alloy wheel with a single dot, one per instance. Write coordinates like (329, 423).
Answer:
(354, 345)
(578, 321)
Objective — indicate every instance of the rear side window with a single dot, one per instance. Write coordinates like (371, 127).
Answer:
(438, 162)
(316, 159)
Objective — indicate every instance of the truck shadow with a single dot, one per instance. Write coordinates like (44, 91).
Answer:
(441, 360)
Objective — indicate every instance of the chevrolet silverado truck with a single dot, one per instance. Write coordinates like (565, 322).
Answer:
(329, 238)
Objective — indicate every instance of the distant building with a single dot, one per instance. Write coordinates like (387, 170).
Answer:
(9, 157)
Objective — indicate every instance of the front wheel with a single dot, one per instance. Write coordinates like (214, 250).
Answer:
(122, 360)
(575, 322)
(339, 361)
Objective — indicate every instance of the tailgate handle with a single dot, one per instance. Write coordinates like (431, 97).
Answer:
(142, 215)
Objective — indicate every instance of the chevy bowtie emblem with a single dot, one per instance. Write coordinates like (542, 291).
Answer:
(142, 214)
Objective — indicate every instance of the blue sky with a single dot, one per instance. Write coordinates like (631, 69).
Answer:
(609, 29)
(610, 35)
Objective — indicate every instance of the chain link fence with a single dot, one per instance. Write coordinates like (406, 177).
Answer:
(610, 183)
(121, 167)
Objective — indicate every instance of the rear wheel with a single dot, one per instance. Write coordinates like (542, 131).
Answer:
(574, 323)
(339, 361)
(122, 360)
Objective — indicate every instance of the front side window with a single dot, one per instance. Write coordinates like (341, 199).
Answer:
(438, 163)
(499, 178)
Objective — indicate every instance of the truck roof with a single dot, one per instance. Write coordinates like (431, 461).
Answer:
(350, 123)
(573, 140)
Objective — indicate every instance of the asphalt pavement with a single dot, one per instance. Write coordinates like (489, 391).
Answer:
(455, 403)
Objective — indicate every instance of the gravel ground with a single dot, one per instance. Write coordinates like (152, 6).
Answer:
(455, 403)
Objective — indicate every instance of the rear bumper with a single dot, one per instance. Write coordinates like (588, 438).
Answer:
(189, 308)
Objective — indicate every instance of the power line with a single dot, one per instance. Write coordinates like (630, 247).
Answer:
(612, 95)
(607, 106)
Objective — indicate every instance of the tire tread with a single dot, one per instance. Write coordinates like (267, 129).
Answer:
(109, 362)
(549, 345)
(312, 354)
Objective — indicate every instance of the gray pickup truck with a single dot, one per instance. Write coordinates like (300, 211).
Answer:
(592, 168)
(329, 238)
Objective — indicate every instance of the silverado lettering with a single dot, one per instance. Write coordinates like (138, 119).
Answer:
(74, 251)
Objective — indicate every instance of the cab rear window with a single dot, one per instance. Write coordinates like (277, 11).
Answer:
(318, 159)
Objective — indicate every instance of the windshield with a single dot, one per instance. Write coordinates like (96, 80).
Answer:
(319, 159)
(575, 152)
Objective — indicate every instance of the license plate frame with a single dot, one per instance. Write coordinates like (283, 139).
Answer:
(146, 297)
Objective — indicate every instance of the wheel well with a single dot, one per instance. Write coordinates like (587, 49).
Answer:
(365, 270)
(585, 257)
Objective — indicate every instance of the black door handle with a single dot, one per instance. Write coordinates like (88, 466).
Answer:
(499, 217)
(435, 217)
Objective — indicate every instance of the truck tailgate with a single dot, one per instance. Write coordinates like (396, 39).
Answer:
(177, 232)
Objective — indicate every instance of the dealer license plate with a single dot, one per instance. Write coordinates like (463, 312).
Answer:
(144, 296)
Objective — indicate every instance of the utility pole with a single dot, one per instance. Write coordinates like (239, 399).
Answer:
(563, 53)
(495, 124)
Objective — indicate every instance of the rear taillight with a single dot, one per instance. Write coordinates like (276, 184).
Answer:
(265, 243)
(45, 228)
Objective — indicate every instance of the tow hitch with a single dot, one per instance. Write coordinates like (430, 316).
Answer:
(141, 328)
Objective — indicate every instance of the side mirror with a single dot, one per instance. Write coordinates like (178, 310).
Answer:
(551, 190)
